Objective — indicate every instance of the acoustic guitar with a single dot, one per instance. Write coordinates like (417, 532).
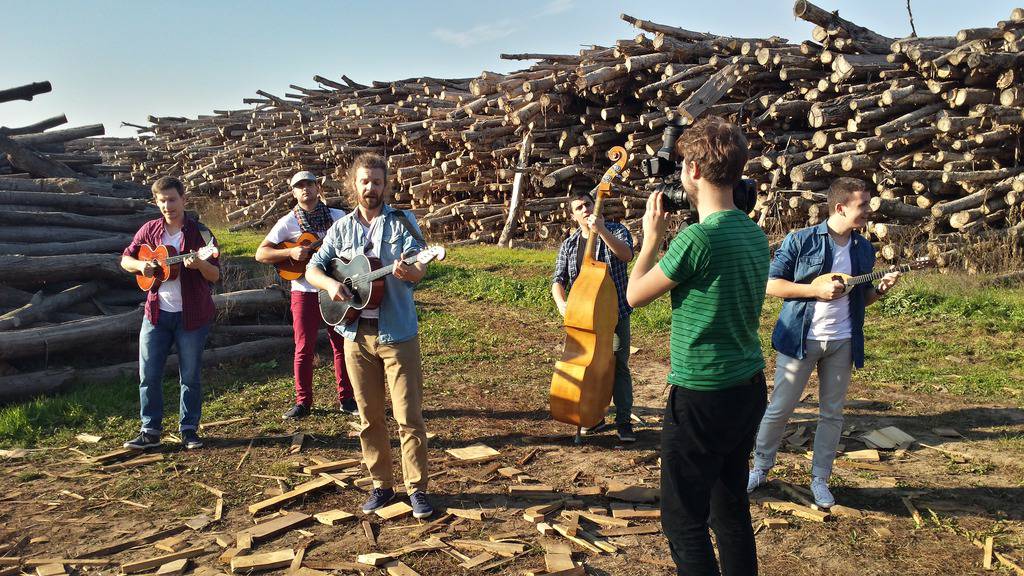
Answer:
(364, 278)
(849, 282)
(168, 263)
(581, 387)
(291, 269)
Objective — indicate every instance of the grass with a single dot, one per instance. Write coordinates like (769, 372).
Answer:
(934, 334)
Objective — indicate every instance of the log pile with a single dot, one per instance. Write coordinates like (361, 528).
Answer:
(933, 123)
(63, 224)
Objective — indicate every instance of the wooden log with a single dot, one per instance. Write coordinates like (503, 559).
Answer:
(113, 244)
(25, 92)
(40, 126)
(124, 223)
(24, 159)
(41, 306)
(865, 38)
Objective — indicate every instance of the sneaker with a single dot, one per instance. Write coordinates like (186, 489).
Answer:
(379, 497)
(421, 507)
(349, 407)
(599, 427)
(143, 441)
(297, 411)
(626, 433)
(757, 477)
(822, 495)
(191, 439)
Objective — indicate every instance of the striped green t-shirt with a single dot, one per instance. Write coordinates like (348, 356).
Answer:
(721, 265)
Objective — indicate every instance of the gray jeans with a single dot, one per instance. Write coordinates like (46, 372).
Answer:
(834, 361)
(622, 390)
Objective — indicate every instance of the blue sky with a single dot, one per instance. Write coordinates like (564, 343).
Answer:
(118, 60)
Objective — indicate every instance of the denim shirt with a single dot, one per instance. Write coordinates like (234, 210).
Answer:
(804, 255)
(344, 239)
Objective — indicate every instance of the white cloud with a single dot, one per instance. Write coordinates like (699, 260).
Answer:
(556, 7)
(475, 35)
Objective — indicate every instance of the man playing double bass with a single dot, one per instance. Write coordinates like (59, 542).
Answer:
(614, 248)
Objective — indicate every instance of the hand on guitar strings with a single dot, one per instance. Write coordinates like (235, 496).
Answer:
(339, 292)
(829, 291)
(149, 268)
(300, 253)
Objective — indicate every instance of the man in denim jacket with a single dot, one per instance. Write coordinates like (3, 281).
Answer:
(382, 346)
(819, 326)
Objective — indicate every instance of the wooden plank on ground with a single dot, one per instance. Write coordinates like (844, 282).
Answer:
(474, 453)
(297, 492)
(627, 493)
(506, 549)
(333, 466)
(374, 559)
(332, 517)
(650, 528)
(277, 526)
(263, 561)
(150, 563)
(397, 568)
(794, 509)
(396, 511)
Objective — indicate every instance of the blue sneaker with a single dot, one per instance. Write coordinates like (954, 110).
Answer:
(379, 497)
(421, 507)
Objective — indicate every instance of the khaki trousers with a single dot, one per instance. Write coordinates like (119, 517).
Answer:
(371, 366)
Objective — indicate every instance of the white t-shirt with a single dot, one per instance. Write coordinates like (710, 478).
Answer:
(287, 229)
(831, 320)
(374, 251)
(169, 291)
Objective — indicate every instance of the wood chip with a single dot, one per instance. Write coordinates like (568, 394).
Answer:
(297, 492)
(374, 559)
(296, 445)
(882, 532)
(150, 563)
(333, 466)
(88, 438)
(173, 568)
(397, 568)
(986, 559)
(478, 560)
(627, 493)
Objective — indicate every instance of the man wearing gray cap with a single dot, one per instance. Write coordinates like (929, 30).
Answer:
(309, 215)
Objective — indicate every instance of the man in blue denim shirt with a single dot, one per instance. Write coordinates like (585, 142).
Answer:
(614, 247)
(819, 326)
(382, 346)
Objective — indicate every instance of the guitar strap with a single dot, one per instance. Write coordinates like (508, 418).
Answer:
(407, 224)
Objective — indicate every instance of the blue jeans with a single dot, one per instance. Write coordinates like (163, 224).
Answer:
(154, 347)
(622, 390)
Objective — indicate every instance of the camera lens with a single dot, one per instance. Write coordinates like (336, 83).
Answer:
(673, 199)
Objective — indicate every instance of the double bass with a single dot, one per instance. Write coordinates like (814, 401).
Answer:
(581, 387)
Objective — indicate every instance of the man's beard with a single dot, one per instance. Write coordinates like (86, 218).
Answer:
(371, 204)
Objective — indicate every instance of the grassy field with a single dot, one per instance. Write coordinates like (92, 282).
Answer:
(935, 334)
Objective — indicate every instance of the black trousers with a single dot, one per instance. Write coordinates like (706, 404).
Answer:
(706, 440)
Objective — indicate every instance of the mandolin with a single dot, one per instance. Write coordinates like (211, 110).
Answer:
(168, 263)
(294, 269)
(364, 278)
(849, 282)
(581, 387)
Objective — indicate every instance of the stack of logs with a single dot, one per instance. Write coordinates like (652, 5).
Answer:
(64, 300)
(932, 122)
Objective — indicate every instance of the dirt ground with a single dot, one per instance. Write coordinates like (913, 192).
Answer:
(56, 505)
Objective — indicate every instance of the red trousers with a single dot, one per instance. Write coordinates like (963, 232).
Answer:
(306, 323)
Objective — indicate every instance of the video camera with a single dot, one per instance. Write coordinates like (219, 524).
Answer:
(663, 165)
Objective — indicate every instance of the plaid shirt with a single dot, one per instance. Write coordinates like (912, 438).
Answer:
(566, 268)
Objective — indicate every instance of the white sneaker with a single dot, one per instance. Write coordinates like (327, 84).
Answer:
(756, 478)
(822, 496)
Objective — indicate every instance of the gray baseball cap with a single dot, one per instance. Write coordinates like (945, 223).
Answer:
(300, 176)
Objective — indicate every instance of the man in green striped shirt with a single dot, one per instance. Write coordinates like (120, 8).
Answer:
(716, 271)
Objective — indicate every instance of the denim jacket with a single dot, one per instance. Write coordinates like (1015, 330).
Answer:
(804, 255)
(344, 239)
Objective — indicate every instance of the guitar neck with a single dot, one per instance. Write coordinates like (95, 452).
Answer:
(875, 275)
(385, 270)
(179, 258)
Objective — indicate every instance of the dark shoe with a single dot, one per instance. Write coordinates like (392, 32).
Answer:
(143, 441)
(421, 507)
(626, 433)
(379, 497)
(599, 427)
(191, 440)
(349, 407)
(297, 411)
